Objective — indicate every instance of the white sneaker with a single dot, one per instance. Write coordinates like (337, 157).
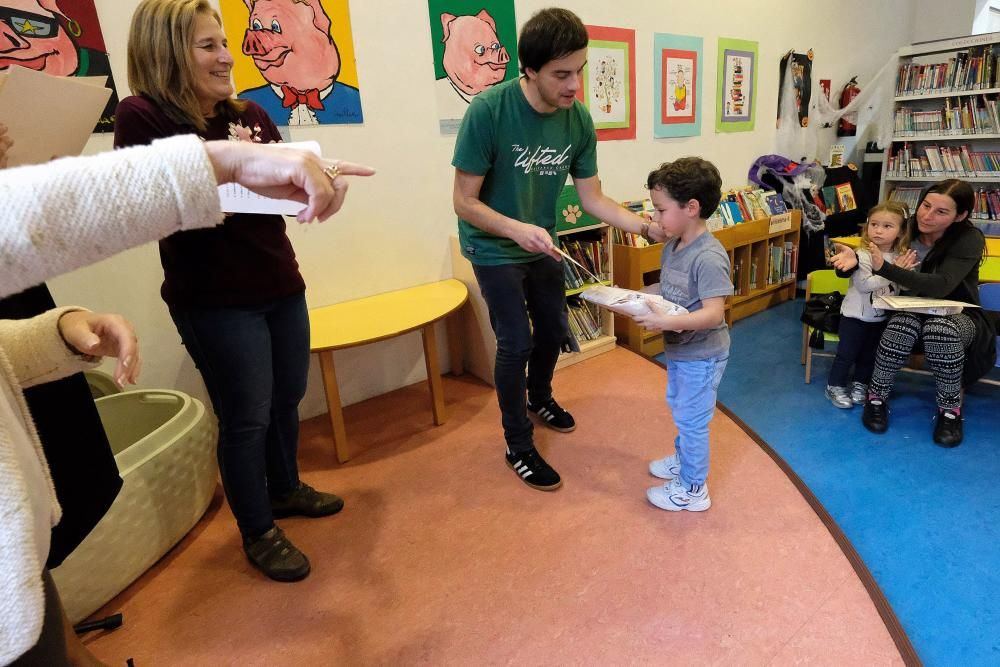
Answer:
(859, 393)
(838, 396)
(665, 468)
(676, 496)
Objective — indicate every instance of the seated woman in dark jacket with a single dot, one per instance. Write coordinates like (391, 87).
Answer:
(959, 348)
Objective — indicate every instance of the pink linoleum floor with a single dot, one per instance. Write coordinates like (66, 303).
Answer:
(443, 557)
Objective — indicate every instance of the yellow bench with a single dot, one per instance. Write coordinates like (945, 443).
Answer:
(374, 318)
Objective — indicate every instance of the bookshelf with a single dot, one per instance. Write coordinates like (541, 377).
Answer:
(751, 246)
(946, 106)
(574, 229)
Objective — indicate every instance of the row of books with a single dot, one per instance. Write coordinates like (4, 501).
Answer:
(643, 207)
(969, 115)
(745, 204)
(782, 264)
(737, 206)
(591, 254)
(584, 320)
(987, 204)
(906, 195)
(987, 201)
(966, 70)
(943, 161)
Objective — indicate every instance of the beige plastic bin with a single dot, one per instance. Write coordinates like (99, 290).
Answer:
(164, 444)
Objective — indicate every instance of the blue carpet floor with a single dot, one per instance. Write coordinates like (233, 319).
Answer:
(925, 520)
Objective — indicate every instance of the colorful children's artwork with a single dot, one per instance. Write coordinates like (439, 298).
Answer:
(736, 88)
(801, 67)
(58, 37)
(296, 59)
(472, 41)
(609, 82)
(677, 85)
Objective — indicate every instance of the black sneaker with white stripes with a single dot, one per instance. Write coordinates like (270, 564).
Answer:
(553, 416)
(533, 470)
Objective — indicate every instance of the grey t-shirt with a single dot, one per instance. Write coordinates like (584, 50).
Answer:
(696, 272)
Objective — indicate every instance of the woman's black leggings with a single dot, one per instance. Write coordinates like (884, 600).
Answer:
(945, 340)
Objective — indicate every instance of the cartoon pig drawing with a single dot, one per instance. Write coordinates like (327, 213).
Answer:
(290, 43)
(473, 60)
(33, 34)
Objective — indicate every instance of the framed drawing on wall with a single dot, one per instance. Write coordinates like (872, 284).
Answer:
(676, 85)
(300, 70)
(736, 87)
(472, 42)
(609, 82)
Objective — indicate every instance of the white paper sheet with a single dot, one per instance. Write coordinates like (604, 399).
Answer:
(235, 198)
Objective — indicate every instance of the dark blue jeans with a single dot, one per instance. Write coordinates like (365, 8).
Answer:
(857, 346)
(254, 360)
(527, 304)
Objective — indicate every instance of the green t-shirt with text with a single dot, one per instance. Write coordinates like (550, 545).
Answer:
(524, 157)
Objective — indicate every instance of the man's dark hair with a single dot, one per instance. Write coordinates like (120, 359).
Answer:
(548, 35)
(689, 178)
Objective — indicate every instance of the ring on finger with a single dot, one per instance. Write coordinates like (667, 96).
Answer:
(332, 171)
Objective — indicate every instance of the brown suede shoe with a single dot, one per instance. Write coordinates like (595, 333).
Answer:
(306, 501)
(275, 556)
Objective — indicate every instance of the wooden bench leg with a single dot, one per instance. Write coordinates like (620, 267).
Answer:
(434, 373)
(456, 350)
(333, 405)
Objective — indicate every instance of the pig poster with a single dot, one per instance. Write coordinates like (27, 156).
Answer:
(58, 37)
(295, 58)
(475, 47)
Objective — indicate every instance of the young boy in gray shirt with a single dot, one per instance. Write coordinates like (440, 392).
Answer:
(695, 274)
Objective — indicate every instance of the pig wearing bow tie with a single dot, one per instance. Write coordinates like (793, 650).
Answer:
(290, 43)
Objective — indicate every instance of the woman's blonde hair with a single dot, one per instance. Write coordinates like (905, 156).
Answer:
(902, 242)
(160, 63)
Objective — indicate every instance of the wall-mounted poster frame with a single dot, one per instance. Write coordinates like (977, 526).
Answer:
(736, 86)
(608, 89)
(677, 75)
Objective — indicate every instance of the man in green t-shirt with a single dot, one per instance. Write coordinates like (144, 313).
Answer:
(518, 142)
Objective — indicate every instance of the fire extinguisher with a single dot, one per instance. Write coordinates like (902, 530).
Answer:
(846, 127)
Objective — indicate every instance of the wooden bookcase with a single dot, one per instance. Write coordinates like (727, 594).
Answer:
(748, 245)
(606, 341)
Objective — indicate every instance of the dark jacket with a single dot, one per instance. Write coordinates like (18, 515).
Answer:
(951, 271)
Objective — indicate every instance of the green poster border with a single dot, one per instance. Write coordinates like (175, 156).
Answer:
(725, 44)
(621, 46)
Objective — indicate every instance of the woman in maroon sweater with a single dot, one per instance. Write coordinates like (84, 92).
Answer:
(234, 291)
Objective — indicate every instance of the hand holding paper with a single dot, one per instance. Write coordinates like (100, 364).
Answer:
(280, 178)
(629, 302)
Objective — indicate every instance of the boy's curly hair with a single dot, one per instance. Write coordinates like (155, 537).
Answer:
(689, 178)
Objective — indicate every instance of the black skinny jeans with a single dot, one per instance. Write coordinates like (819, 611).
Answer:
(857, 346)
(527, 304)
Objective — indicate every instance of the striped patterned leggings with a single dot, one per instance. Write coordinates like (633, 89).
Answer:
(945, 341)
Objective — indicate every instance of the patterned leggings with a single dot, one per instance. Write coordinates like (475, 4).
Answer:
(945, 341)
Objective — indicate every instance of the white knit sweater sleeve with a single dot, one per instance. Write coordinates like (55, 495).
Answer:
(59, 216)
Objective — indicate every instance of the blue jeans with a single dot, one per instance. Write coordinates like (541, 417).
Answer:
(254, 360)
(527, 304)
(692, 387)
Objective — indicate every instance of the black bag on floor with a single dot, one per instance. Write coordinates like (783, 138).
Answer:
(822, 313)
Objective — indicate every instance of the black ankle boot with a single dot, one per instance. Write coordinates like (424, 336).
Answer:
(876, 415)
(948, 428)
